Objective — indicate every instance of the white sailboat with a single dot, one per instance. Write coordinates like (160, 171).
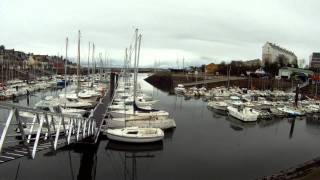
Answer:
(135, 134)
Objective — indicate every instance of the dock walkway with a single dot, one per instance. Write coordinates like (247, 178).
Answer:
(47, 130)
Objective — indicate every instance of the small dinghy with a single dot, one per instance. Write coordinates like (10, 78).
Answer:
(136, 135)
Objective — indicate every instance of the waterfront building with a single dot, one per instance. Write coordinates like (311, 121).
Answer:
(314, 60)
(11, 59)
(272, 53)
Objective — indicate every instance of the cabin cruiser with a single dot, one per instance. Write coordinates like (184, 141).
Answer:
(245, 114)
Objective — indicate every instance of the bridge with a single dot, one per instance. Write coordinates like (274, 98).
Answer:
(46, 130)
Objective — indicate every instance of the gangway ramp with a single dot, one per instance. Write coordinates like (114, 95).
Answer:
(25, 131)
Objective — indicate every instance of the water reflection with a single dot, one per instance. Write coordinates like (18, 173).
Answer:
(269, 122)
(217, 113)
(169, 134)
(293, 121)
(313, 126)
(131, 154)
(238, 125)
(88, 158)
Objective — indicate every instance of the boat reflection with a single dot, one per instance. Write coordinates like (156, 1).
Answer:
(269, 122)
(131, 153)
(238, 125)
(168, 135)
(134, 148)
(217, 112)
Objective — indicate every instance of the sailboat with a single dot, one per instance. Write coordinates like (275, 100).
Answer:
(135, 134)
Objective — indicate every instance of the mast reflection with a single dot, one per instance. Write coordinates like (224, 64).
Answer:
(131, 153)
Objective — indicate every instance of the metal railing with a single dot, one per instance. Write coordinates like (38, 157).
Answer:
(26, 131)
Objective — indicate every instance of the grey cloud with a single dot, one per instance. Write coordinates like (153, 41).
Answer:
(221, 30)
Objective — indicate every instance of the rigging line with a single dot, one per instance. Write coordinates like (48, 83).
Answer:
(119, 153)
(18, 170)
(113, 164)
(71, 167)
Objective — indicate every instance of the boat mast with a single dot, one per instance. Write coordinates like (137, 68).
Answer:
(105, 65)
(92, 59)
(135, 68)
(130, 56)
(124, 80)
(138, 56)
(65, 69)
(89, 60)
(100, 56)
(78, 63)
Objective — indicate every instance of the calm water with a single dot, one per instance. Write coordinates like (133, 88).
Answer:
(205, 145)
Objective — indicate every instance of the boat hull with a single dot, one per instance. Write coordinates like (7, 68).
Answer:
(242, 117)
(158, 123)
(117, 137)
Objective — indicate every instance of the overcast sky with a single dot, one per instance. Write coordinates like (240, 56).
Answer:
(201, 31)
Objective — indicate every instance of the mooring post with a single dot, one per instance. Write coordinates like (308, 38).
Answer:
(112, 82)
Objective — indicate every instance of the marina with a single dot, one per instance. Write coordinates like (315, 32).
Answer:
(159, 90)
(271, 144)
(241, 103)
